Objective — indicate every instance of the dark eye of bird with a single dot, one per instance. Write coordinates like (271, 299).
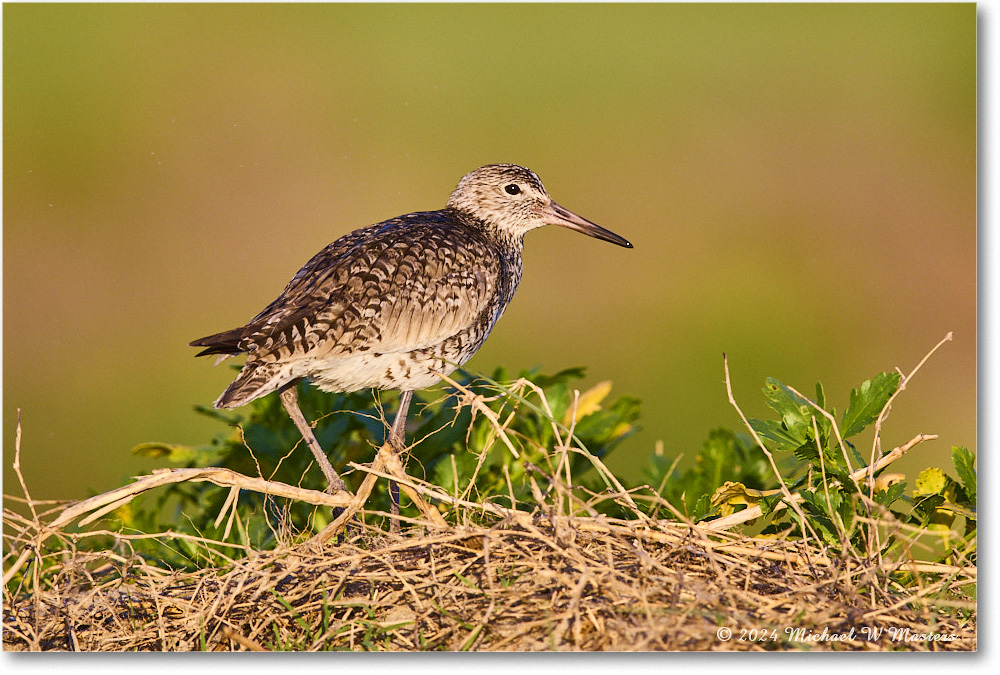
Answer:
(513, 189)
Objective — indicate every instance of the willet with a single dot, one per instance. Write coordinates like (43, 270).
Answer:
(396, 304)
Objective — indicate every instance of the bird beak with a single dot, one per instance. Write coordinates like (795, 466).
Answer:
(557, 215)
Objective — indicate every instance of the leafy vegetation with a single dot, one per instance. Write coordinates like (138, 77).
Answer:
(817, 459)
(530, 451)
(807, 449)
(450, 445)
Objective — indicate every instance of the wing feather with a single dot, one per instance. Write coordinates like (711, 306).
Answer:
(402, 285)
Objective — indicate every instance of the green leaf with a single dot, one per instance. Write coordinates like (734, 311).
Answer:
(807, 452)
(820, 395)
(840, 474)
(964, 462)
(226, 416)
(776, 435)
(768, 504)
(867, 402)
(925, 505)
(173, 452)
(724, 456)
(891, 494)
(795, 411)
(859, 461)
(701, 507)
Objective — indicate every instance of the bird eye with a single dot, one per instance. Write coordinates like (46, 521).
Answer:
(513, 189)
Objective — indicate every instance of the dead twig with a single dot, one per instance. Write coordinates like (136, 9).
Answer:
(106, 502)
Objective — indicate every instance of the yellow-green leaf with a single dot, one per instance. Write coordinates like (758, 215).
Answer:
(931, 481)
(589, 402)
(173, 452)
(883, 482)
(732, 494)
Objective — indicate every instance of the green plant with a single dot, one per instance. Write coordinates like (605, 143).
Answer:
(725, 456)
(450, 444)
(805, 458)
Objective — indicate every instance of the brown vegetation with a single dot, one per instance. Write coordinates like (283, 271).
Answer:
(531, 581)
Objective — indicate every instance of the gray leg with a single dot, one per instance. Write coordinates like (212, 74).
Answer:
(290, 400)
(397, 439)
(397, 435)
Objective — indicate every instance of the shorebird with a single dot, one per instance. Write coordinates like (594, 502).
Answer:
(396, 304)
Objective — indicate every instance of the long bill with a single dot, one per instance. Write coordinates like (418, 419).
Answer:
(558, 215)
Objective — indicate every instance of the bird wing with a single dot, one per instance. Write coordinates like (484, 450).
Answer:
(402, 285)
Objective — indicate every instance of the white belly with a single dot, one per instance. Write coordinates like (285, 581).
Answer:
(406, 371)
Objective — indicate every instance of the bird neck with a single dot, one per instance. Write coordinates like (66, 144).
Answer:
(511, 243)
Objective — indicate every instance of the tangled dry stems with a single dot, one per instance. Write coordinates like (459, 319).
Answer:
(576, 583)
(474, 575)
(533, 580)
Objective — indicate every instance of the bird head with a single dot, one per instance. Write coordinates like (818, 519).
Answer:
(512, 200)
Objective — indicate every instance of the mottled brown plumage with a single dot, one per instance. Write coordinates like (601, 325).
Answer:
(388, 305)
(379, 308)
(392, 305)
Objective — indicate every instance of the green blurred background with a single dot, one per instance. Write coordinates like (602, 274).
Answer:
(799, 182)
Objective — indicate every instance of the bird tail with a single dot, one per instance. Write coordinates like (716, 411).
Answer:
(226, 342)
(255, 380)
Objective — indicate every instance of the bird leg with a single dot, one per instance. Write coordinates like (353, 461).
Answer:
(387, 461)
(290, 400)
(397, 440)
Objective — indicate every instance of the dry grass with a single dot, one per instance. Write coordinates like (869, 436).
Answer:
(574, 584)
(531, 581)
(469, 574)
